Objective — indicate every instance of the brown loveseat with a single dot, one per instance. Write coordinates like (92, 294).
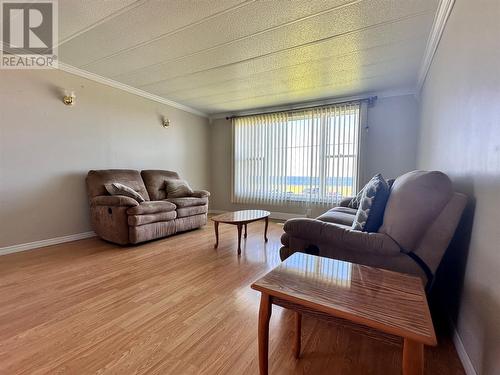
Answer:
(123, 220)
(420, 219)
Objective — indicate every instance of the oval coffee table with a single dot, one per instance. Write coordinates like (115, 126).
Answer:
(240, 219)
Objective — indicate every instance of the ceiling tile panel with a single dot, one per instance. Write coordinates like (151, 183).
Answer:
(77, 15)
(224, 30)
(348, 20)
(327, 72)
(373, 84)
(404, 33)
(231, 55)
(295, 82)
(148, 21)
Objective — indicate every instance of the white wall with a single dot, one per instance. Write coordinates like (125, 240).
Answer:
(460, 135)
(390, 148)
(47, 148)
(391, 141)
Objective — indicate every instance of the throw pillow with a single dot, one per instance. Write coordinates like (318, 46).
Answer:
(178, 189)
(372, 205)
(119, 189)
(354, 203)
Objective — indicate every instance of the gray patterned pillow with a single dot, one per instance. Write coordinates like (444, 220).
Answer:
(372, 205)
(119, 189)
(177, 188)
(354, 203)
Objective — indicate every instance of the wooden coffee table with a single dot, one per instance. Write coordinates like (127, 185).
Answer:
(240, 219)
(387, 301)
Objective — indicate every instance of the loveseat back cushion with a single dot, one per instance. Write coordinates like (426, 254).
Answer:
(154, 179)
(97, 179)
(416, 200)
(177, 188)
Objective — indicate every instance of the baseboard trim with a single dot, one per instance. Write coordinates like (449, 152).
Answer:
(274, 215)
(42, 243)
(462, 353)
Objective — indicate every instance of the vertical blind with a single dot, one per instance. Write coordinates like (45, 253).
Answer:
(303, 157)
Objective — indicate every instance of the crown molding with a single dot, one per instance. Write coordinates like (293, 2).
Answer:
(121, 86)
(326, 101)
(442, 15)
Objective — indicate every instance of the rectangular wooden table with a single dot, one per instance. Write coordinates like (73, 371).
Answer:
(387, 301)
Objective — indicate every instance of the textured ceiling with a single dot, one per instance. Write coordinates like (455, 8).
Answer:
(229, 55)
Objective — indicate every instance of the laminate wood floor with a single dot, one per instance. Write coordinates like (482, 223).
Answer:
(173, 306)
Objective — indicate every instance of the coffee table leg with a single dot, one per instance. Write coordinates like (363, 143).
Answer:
(264, 317)
(265, 229)
(413, 357)
(298, 332)
(245, 231)
(239, 238)
(216, 227)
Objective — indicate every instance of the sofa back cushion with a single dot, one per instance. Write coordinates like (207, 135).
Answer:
(177, 188)
(155, 182)
(97, 179)
(416, 200)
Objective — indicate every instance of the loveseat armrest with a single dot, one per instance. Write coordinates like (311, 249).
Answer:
(345, 202)
(324, 234)
(113, 201)
(200, 193)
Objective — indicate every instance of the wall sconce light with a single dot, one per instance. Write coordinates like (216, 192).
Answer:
(165, 122)
(69, 99)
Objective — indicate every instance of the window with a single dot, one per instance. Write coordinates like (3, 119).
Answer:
(309, 156)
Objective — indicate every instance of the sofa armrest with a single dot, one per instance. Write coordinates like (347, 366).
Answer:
(113, 200)
(200, 193)
(345, 202)
(326, 234)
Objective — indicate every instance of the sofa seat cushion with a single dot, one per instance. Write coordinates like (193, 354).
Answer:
(151, 207)
(136, 220)
(193, 210)
(339, 215)
(188, 201)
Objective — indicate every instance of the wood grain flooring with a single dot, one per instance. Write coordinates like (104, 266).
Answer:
(173, 306)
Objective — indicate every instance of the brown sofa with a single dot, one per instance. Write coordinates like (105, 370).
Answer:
(420, 219)
(123, 220)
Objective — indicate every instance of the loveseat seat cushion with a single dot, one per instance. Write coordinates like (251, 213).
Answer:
(136, 220)
(339, 215)
(151, 207)
(190, 211)
(188, 201)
